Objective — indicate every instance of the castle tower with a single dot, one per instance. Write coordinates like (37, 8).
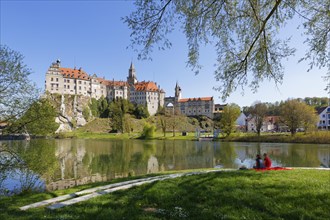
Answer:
(177, 92)
(131, 79)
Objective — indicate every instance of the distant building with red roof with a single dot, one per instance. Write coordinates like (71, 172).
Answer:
(190, 106)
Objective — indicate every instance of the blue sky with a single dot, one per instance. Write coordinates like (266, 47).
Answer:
(91, 35)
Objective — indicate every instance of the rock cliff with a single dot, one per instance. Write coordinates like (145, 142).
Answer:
(70, 111)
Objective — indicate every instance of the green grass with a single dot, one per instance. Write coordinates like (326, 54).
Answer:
(99, 129)
(292, 194)
(318, 137)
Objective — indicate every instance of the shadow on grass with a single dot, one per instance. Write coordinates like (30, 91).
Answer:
(221, 195)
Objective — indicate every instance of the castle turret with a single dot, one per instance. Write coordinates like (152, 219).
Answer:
(177, 92)
(131, 79)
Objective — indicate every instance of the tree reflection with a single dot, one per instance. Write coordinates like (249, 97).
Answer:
(225, 155)
(66, 163)
(27, 162)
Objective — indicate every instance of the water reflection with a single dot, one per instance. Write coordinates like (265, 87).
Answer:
(70, 162)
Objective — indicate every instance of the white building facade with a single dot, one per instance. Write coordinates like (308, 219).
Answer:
(77, 82)
(200, 106)
(324, 118)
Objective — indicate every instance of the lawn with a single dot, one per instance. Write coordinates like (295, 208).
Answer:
(241, 194)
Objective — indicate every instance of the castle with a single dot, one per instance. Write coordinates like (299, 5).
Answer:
(77, 82)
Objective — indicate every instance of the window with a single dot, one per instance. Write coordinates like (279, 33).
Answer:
(64, 86)
(51, 79)
(56, 79)
(79, 87)
(323, 116)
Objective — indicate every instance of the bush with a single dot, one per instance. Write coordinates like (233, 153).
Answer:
(148, 131)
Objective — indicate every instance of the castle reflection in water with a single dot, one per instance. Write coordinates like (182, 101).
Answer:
(84, 161)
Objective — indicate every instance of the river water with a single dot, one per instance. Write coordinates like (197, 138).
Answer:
(63, 163)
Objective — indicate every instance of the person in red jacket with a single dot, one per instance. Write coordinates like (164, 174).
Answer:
(267, 161)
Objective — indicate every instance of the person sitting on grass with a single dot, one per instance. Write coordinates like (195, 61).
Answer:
(259, 163)
(267, 161)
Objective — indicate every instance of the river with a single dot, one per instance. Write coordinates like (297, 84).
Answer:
(62, 163)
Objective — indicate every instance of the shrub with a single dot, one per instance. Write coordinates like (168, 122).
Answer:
(148, 131)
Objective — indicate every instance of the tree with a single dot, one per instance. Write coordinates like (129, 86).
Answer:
(116, 114)
(310, 118)
(243, 33)
(163, 123)
(173, 119)
(103, 107)
(117, 111)
(258, 113)
(94, 107)
(141, 111)
(297, 115)
(17, 93)
(228, 118)
(39, 119)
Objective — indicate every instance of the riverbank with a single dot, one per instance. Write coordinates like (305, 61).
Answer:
(238, 194)
(318, 137)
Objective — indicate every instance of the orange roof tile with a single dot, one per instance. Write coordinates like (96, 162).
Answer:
(116, 83)
(196, 99)
(74, 73)
(146, 86)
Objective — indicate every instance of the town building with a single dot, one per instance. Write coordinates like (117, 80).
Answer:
(270, 124)
(77, 82)
(190, 106)
(324, 118)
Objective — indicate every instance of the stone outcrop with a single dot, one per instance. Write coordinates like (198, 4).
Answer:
(70, 111)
